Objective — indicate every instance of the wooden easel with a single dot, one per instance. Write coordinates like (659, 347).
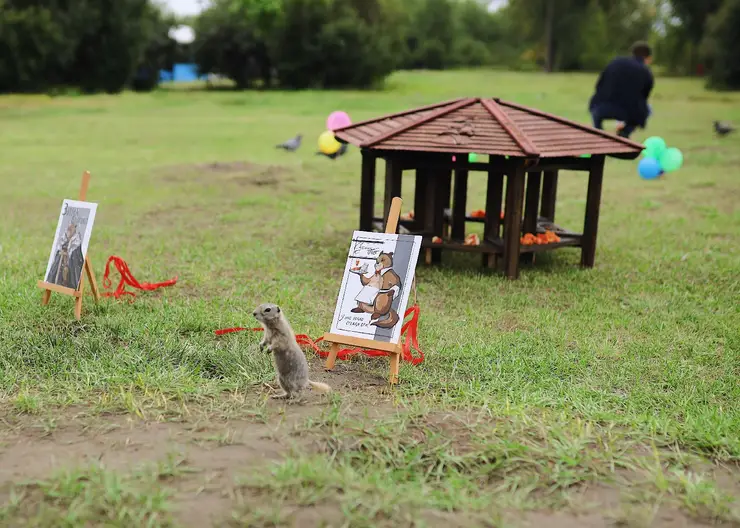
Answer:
(395, 349)
(77, 294)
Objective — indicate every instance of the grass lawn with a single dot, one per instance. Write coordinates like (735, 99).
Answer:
(568, 398)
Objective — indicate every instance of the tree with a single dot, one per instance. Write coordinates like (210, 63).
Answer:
(327, 44)
(694, 15)
(431, 34)
(160, 53)
(686, 22)
(722, 47)
(481, 34)
(113, 36)
(548, 25)
(578, 34)
(232, 39)
(35, 48)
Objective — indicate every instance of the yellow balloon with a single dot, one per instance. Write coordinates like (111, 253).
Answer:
(328, 144)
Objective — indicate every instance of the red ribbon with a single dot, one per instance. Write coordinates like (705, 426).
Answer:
(127, 279)
(409, 330)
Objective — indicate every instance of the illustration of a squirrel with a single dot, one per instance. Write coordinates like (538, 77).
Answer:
(389, 284)
(289, 360)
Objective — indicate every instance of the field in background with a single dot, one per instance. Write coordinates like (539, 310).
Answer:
(568, 396)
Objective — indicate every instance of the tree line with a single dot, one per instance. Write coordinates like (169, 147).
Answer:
(112, 45)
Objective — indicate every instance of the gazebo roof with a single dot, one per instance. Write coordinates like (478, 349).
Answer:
(485, 126)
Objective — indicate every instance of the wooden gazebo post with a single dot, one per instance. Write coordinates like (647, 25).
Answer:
(593, 204)
(513, 218)
(549, 194)
(367, 190)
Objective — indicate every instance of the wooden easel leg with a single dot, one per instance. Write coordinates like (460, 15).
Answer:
(78, 300)
(395, 363)
(332, 358)
(91, 278)
(45, 297)
(78, 308)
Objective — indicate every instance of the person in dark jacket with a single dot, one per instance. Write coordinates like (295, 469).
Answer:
(622, 91)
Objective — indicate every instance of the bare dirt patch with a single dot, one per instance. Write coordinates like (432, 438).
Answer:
(216, 447)
(240, 173)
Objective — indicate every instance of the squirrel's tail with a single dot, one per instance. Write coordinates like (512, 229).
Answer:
(321, 387)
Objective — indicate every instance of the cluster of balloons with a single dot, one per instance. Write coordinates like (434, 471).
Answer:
(327, 142)
(658, 159)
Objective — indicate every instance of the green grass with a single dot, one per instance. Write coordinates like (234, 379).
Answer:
(94, 496)
(643, 350)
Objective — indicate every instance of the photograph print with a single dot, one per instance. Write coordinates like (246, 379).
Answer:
(375, 289)
(71, 240)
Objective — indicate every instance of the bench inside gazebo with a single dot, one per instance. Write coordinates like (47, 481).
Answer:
(526, 149)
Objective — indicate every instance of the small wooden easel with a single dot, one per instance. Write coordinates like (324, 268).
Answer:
(77, 294)
(395, 349)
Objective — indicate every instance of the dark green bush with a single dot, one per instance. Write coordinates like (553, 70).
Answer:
(722, 47)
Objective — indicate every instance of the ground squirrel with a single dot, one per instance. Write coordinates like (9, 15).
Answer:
(290, 361)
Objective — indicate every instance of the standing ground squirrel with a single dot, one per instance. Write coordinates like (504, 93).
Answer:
(290, 361)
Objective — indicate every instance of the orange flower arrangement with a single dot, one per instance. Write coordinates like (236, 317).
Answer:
(548, 237)
(480, 213)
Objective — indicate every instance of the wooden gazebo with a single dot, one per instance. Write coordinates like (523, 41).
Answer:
(525, 146)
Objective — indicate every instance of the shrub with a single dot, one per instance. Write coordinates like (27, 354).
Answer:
(34, 49)
(232, 40)
(326, 44)
(722, 47)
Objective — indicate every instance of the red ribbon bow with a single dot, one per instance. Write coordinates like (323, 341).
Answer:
(127, 278)
(409, 332)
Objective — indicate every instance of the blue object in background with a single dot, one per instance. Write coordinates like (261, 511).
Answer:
(182, 73)
(649, 168)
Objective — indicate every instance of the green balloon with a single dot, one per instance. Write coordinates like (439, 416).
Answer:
(671, 160)
(654, 147)
(585, 156)
(472, 157)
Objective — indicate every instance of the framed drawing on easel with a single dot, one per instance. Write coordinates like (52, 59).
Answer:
(375, 289)
(68, 261)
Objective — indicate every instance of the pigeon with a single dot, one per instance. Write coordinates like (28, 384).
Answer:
(292, 144)
(342, 150)
(722, 129)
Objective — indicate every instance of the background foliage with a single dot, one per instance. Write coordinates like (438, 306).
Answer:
(108, 45)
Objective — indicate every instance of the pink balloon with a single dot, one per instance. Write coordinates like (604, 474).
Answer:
(454, 158)
(338, 120)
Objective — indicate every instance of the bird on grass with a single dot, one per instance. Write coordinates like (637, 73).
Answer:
(722, 129)
(292, 144)
(338, 154)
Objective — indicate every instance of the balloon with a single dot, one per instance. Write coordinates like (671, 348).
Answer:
(472, 157)
(328, 144)
(649, 168)
(654, 147)
(338, 120)
(585, 156)
(454, 159)
(671, 160)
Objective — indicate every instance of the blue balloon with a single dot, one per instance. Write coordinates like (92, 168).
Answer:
(649, 168)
